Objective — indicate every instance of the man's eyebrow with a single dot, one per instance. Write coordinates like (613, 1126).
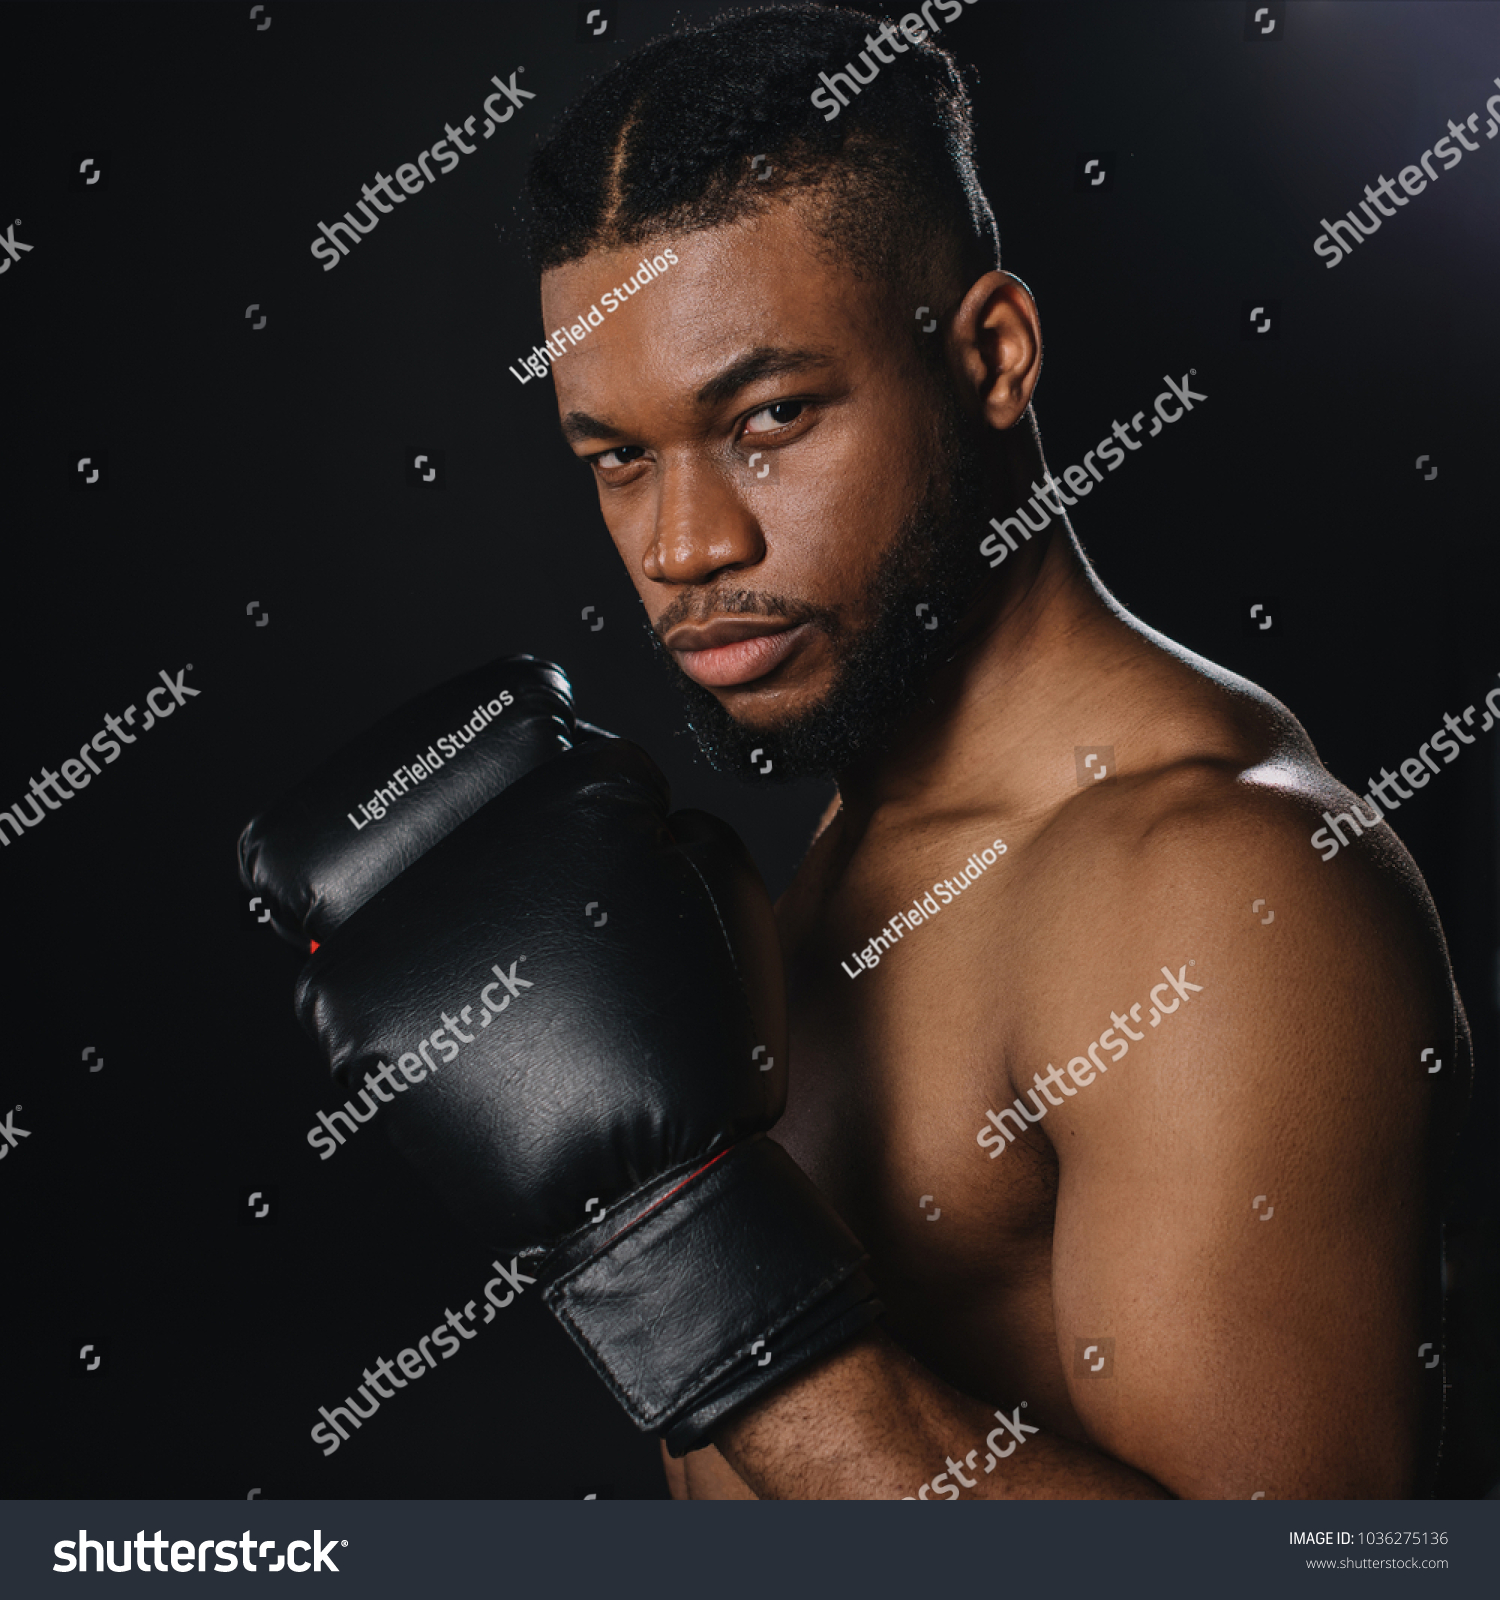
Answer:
(579, 425)
(765, 361)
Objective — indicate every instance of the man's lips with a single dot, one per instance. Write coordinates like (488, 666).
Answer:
(733, 650)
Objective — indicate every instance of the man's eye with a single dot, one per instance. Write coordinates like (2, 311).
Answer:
(622, 456)
(779, 415)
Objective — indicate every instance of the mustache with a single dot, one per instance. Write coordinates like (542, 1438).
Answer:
(699, 608)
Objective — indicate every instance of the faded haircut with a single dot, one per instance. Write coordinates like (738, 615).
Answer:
(666, 142)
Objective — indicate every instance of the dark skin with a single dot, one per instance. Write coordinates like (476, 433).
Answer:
(1252, 1354)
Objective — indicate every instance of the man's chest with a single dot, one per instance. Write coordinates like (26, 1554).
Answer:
(899, 1032)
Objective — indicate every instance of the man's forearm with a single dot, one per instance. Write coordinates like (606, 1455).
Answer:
(870, 1423)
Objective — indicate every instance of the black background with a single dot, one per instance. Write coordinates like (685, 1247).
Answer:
(270, 466)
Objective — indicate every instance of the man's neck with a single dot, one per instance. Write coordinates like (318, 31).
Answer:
(1029, 661)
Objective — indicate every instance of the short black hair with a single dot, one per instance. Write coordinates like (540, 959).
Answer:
(666, 141)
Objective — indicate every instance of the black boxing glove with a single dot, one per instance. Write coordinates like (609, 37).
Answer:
(366, 814)
(582, 996)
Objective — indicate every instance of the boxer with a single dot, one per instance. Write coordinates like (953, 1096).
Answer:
(1096, 1151)
(1239, 1218)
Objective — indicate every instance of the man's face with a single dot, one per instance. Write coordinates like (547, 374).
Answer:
(782, 479)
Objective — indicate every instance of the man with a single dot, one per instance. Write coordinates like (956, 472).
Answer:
(1206, 1272)
(1103, 1105)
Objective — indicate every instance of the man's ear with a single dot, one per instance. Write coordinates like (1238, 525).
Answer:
(995, 344)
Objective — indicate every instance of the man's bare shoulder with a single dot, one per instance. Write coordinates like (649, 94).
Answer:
(1233, 1038)
(1201, 851)
(1223, 818)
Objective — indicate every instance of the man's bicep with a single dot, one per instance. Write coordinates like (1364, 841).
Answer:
(1238, 1246)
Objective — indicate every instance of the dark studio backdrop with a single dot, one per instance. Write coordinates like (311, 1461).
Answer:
(253, 470)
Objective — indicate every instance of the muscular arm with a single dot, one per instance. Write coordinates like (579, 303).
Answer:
(872, 1424)
(1255, 1350)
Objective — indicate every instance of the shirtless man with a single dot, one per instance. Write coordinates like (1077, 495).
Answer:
(1068, 1130)
(1206, 1268)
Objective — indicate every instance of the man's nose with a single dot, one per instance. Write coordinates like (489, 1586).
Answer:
(703, 526)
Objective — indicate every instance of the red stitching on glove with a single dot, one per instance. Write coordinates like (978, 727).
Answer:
(691, 1177)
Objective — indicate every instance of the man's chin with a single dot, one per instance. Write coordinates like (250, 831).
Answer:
(781, 749)
(819, 739)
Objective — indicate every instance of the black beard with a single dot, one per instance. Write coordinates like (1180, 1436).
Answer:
(881, 671)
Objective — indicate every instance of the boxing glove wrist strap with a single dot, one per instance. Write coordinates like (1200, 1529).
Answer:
(739, 1276)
